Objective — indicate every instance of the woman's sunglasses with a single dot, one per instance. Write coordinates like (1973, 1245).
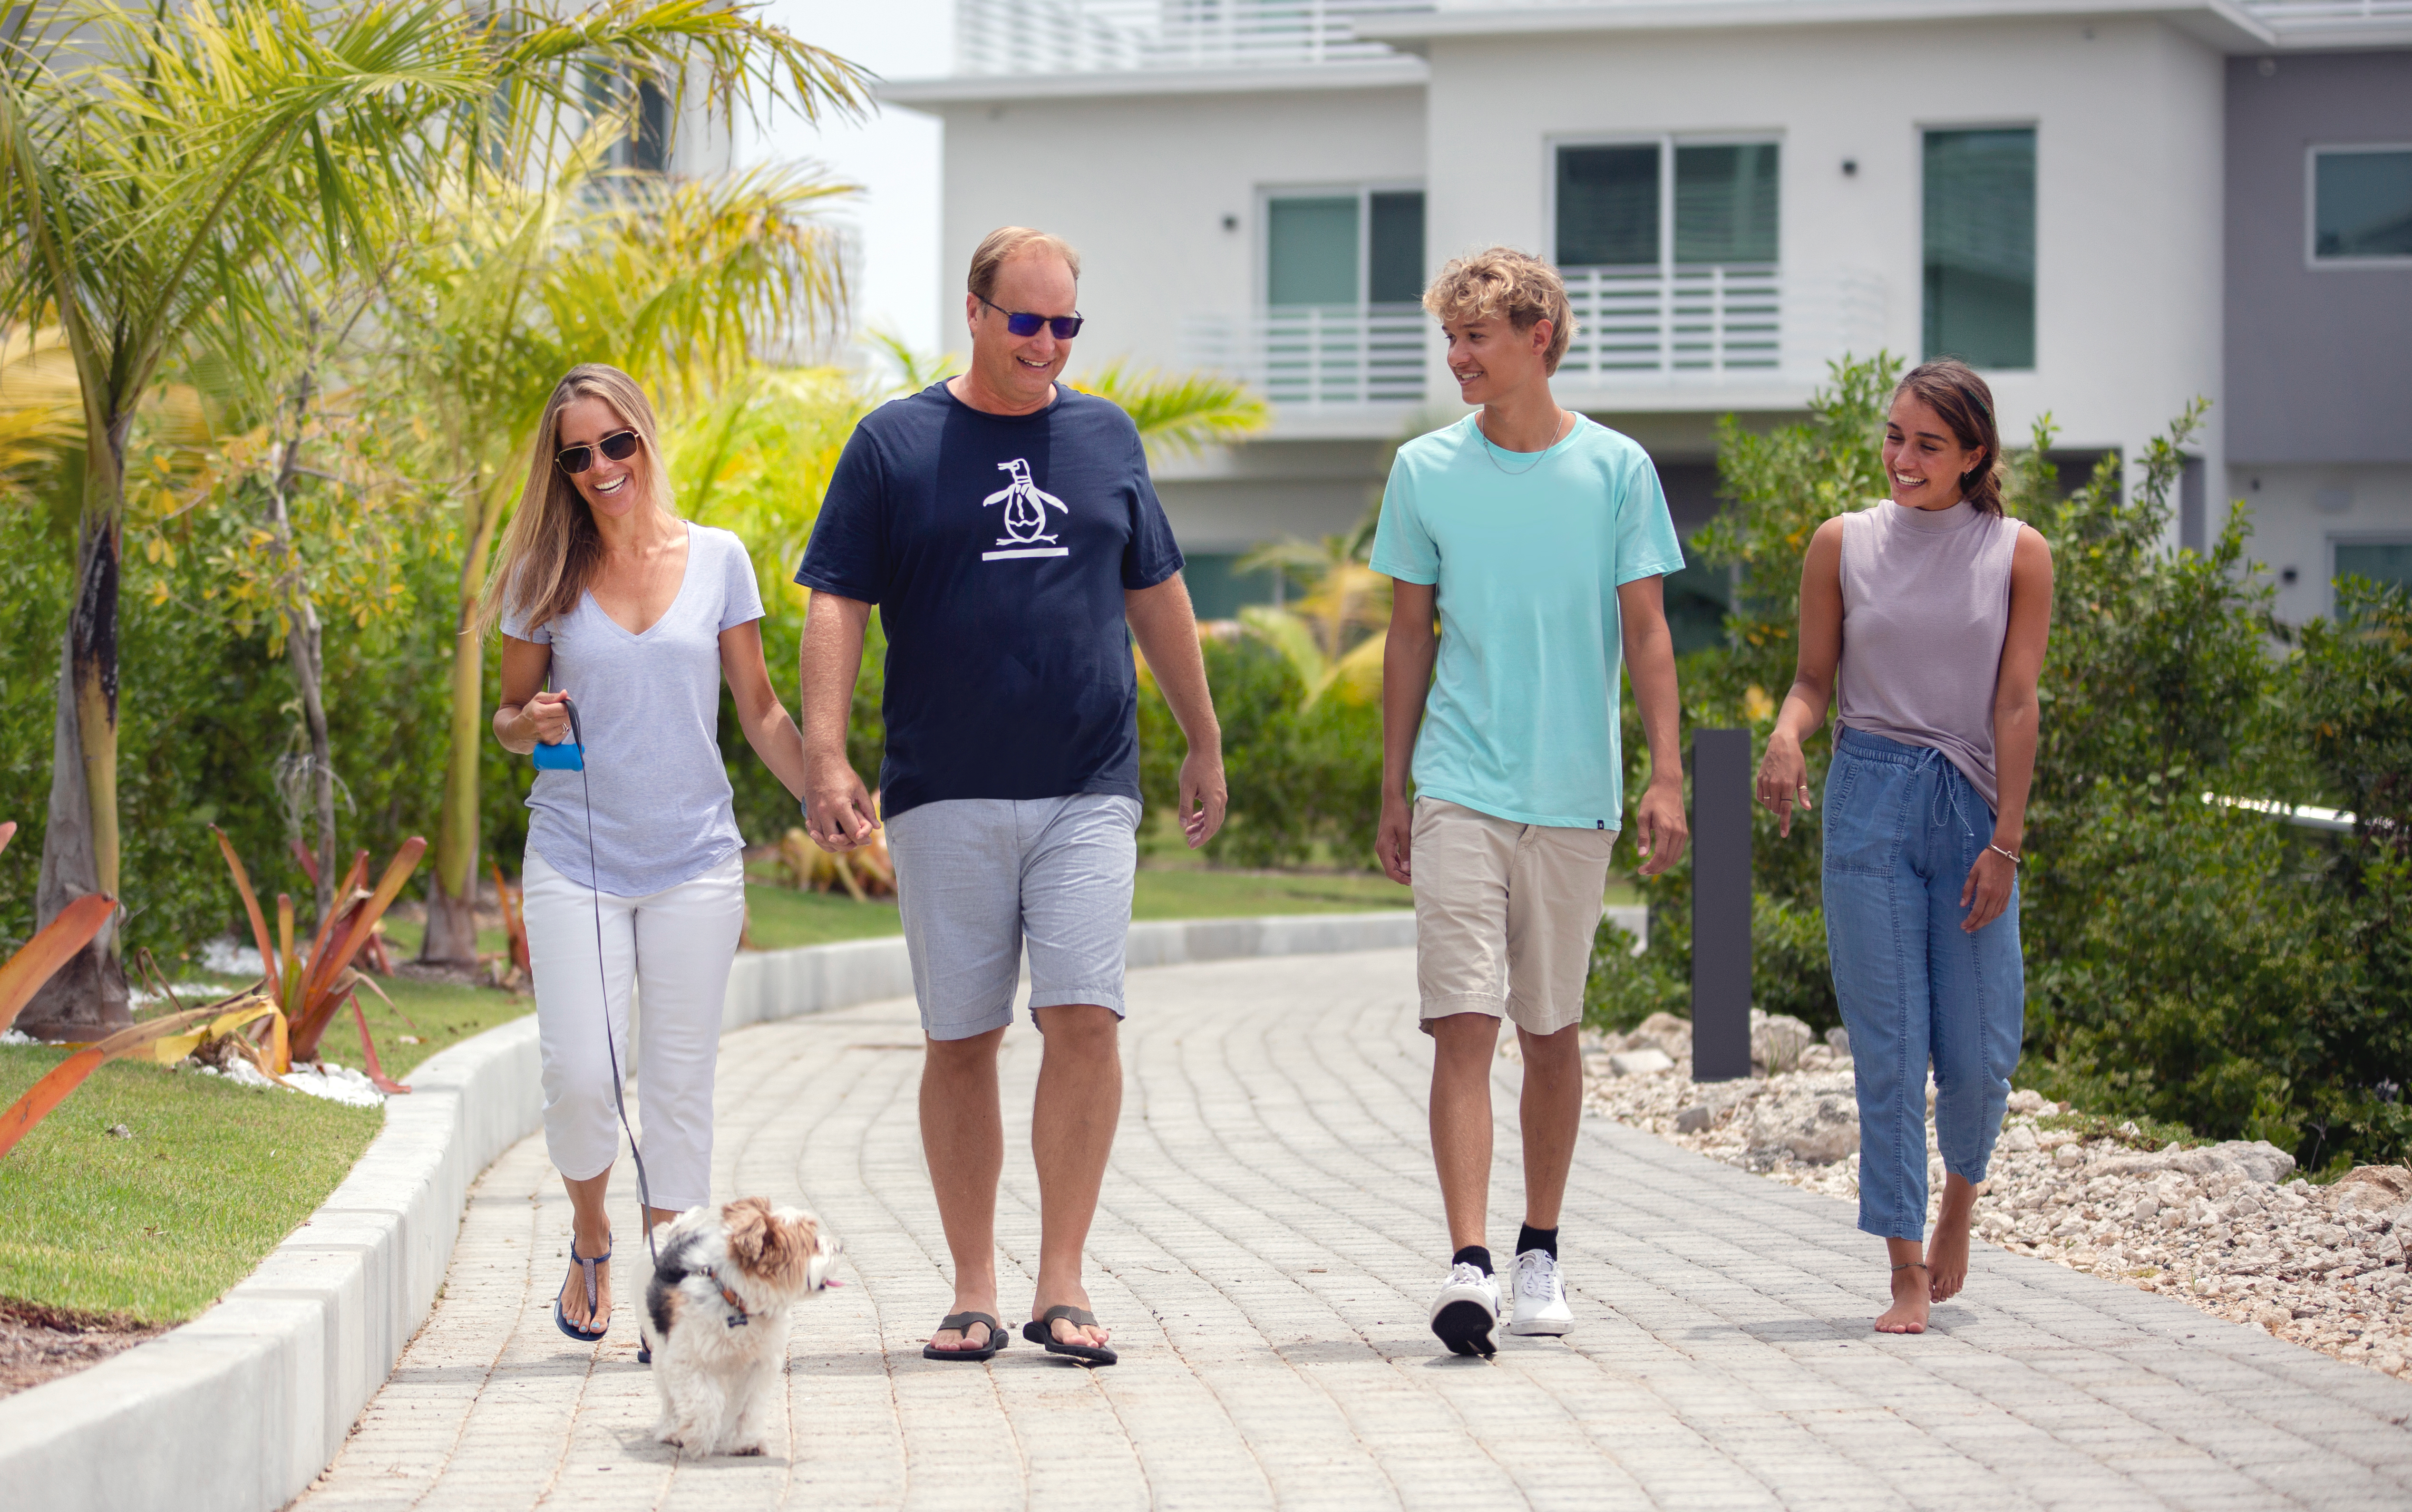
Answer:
(619, 446)
(1023, 323)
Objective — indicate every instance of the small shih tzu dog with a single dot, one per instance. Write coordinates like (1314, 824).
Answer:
(715, 1319)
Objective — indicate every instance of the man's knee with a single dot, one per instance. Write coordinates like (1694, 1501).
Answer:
(960, 1057)
(1460, 1037)
(1560, 1051)
(1085, 1030)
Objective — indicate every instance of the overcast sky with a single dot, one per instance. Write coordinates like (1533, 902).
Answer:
(893, 155)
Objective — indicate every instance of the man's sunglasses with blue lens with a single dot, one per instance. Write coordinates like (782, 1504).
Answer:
(1023, 323)
(619, 446)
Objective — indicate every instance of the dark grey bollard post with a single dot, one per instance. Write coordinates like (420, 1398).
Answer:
(1720, 905)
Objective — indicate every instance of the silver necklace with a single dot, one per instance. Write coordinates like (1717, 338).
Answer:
(1492, 448)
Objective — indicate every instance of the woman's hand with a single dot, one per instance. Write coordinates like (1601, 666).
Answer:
(838, 811)
(545, 718)
(1987, 892)
(1783, 779)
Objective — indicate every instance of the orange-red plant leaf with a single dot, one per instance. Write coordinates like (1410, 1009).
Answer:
(268, 964)
(7, 833)
(308, 857)
(368, 1048)
(348, 900)
(397, 871)
(46, 952)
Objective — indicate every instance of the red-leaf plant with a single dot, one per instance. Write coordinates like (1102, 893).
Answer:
(312, 987)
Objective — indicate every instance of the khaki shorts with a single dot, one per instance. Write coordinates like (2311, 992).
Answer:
(1504, 915)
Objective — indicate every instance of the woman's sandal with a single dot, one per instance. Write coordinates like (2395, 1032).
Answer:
(561, 1319)
(1042, 1331)
(961, 1323)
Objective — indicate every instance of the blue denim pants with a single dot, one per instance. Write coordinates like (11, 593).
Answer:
(1903, 828)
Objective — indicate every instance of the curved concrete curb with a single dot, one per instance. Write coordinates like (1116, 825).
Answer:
(240, 1408)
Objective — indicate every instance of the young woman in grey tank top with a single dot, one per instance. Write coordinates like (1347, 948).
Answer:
(1933, 608)
(612, 604)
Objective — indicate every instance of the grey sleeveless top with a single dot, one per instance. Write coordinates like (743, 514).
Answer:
(1926, 606)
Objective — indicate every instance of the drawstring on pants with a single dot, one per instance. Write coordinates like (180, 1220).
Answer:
(1947, 791)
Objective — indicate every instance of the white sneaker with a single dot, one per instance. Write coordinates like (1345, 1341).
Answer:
(1467, 1309)
(1540, 1296)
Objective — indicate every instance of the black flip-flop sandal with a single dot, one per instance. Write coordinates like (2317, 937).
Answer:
(561, 1319)
(1042, 1333)
(961, 1323)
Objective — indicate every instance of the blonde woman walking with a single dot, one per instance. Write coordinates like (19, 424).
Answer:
(613, 606)
(1933, 608)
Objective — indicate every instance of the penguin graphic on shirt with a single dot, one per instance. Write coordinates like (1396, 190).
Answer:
(1026, 507)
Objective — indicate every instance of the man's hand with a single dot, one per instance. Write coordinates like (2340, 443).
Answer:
(838, 812)
(1392, 838)
(1203, 796)
(1663, 832)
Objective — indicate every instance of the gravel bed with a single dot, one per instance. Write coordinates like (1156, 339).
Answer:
(2228, 1227)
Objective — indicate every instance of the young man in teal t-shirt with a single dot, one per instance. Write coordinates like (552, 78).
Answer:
(1539, 539)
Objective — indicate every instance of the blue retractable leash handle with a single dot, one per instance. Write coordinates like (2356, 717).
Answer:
(570, 756)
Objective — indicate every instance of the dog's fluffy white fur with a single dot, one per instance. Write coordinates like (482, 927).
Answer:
(718, 1377)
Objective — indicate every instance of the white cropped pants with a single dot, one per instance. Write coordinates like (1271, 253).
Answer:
(675, 947)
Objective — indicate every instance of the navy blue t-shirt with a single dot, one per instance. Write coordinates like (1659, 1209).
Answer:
(997, 547)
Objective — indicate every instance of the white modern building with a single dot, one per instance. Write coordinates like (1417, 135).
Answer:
(2108, 208)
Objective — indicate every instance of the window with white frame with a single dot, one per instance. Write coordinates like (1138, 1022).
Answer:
(1340, 320)
(1978, 263)
(1668, 248)
(2360, 209)
(1666, 201)
(1344, 247)
(2382, 560)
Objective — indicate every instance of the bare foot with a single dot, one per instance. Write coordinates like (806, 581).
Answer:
(1947, 1252)
(1907, 1314)
(974, 1338)
(1066, 1331)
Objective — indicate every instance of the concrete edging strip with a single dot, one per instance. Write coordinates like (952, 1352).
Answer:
(240, 1408)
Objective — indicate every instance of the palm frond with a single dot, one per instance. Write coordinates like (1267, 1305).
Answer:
(1182, 412)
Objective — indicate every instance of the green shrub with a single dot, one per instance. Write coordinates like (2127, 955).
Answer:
(1305, 779)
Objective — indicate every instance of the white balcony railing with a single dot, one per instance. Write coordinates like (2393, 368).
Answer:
(1318, 357)
(1723, 324)
(2304, 17)
(1706, 328)
(1063, 36)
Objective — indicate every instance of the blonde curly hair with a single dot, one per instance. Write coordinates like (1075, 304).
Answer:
(1502, 281)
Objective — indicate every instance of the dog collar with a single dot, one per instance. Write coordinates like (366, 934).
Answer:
(738, 1316)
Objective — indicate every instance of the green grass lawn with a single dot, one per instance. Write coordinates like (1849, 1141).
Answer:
(215, 1175)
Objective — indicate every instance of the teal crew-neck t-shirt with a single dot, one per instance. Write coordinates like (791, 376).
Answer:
(1524, 551)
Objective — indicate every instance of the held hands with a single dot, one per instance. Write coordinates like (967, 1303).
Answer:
(1663, 831)
(1987, 892)
(1784, 779)
(838, 811)
(1203, 797)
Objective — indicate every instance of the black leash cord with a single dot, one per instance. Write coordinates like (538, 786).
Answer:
(610, 1043)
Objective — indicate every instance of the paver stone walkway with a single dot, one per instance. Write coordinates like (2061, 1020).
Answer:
(1267, 1248)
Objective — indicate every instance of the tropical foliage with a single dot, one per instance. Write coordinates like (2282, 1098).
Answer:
(2187, 959)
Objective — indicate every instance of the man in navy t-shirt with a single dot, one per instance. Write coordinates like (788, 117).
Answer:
(1009, 533)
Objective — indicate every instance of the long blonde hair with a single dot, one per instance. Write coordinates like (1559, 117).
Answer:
(551, 548)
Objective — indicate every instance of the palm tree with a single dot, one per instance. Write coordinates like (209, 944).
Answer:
(155, 163)
(679, 283)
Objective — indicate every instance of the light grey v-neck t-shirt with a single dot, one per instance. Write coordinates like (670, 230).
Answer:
(650, 707)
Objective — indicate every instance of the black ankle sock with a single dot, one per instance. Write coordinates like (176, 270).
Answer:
(1473, 1254)
(1530, 1238)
